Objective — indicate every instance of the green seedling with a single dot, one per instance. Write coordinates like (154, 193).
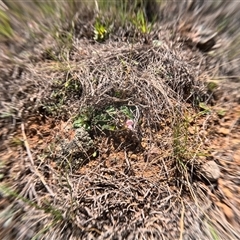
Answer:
(204, 108)
(72, 85)
(82, 121)
(141, 23)
(100, 31)
(127, 112)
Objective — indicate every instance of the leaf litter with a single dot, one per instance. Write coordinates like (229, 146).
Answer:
(72, 168)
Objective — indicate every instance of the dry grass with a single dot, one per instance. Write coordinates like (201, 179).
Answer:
(70, 79)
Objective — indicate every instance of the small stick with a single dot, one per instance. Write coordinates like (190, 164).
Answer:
(127, 160)
(182, 221)
(32, 162)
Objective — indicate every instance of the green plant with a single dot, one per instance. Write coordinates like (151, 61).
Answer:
(185, 147)
(62, 91)
(82, 121)
(106, 119)
(180, 144)
(100, 30)
(111, 118)
(6, 30)
(211, 86)
(72, 85)
(127, 111)
(204, 108)
(141, 23)
(58, 98)
(213, 232)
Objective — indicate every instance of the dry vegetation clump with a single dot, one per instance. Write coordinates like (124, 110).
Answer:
(106, 122)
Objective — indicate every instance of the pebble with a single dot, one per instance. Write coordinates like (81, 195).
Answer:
(210, 171)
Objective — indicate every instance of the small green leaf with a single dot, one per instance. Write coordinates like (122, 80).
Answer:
(213, 233)
(108, 127)
(211, 86)
(82, 121)
(125, 110)
(221, 112)
(111, 111)
(203, 106)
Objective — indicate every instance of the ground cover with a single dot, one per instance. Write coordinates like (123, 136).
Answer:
(119, 121)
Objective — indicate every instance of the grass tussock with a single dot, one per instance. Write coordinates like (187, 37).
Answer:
(104, 113)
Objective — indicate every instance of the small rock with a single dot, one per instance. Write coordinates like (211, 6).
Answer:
(210, 171)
